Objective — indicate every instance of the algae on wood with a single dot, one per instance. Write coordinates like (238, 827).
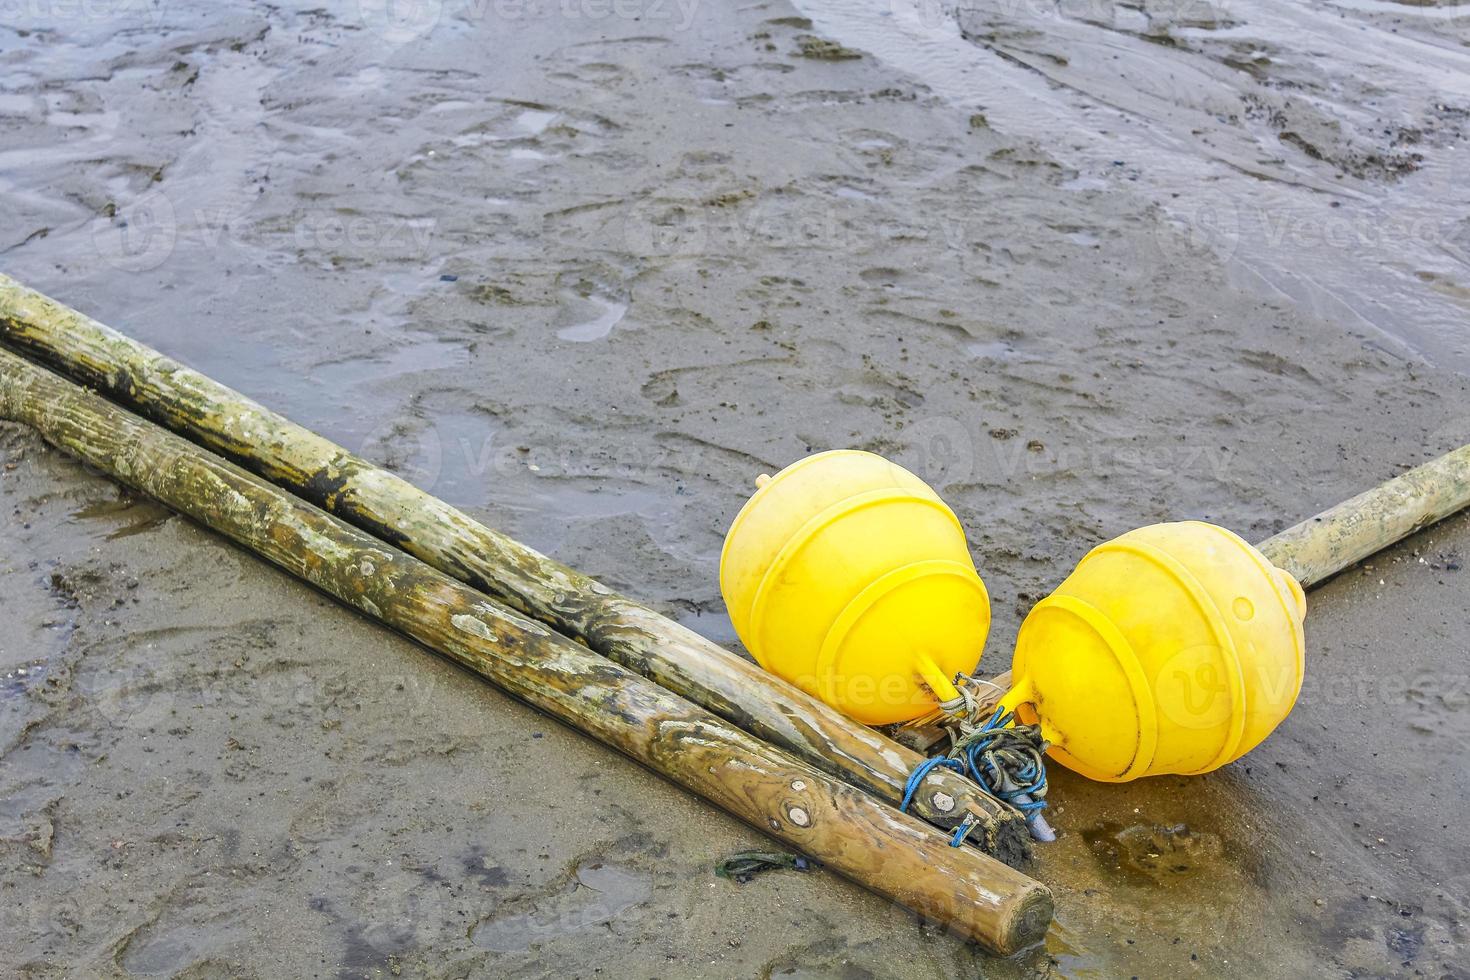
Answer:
(846, 829)
(399, 513)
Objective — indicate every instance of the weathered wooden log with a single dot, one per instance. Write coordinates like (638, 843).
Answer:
(846, 829)
(1339, 537)
(1315, 549)
(399, 513)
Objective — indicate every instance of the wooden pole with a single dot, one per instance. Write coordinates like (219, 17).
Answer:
(426, 527)
(849, 831)
(1339, 537)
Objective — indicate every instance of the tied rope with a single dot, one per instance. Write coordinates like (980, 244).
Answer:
(1007, 762)
(916, 777)
(1004, 760)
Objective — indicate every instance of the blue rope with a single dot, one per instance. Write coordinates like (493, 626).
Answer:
(988, 755)
(1027, 771)
(924, 769)
(916, 777)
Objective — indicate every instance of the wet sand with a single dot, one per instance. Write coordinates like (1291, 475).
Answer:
(585, 275)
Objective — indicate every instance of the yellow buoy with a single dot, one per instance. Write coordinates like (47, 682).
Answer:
(1175, 648)
(846, 575)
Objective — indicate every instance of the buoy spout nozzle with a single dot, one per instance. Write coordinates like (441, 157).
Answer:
(943, 688)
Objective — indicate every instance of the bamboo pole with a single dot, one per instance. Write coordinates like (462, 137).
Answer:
(426, 527)
(1312, 551)
(846, 829)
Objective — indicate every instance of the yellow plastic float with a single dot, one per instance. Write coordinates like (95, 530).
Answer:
(846, 575)
(1175, 648)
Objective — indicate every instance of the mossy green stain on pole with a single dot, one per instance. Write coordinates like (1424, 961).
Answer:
(374, 500)
(843, 827)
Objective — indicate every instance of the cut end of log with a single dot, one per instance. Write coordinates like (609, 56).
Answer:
(1030, 919)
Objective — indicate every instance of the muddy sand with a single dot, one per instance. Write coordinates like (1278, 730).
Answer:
(585, 270)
